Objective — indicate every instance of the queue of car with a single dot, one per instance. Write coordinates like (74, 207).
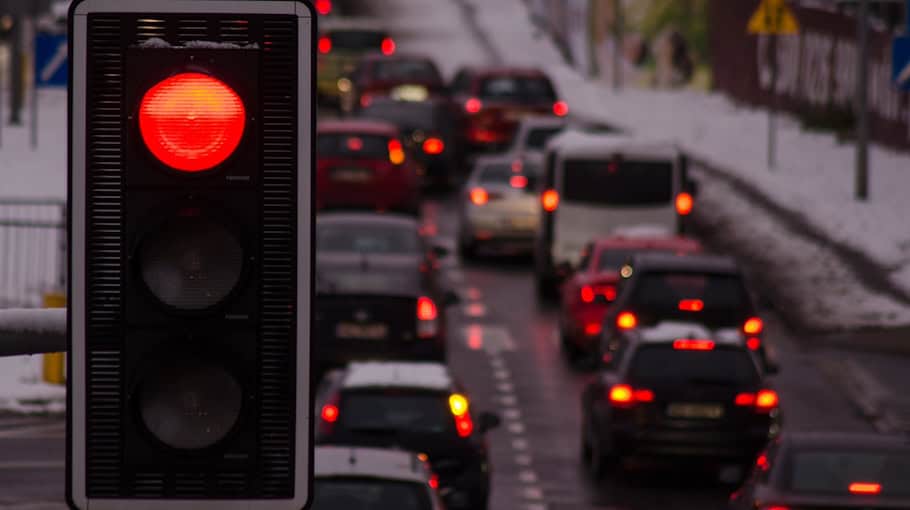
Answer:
(682, 369)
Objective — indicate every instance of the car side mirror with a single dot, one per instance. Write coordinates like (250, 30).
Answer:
(440, 251)
(451, 298)
(488, 421)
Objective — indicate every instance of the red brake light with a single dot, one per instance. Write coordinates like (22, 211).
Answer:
(324, 45)
(753, 343)
(323, 6)
(688, 344)
(354, 144)
(776, 507)
(463, 425)
(550, 200)
(587, 294)
(745, 399)
(433, 481)
(865, 488)
(479, 196)
(691, 305)
(330, 413)
(473, 105)
(766, 400)
(396, 152)
(592, 328)
(753, 326)
(433, 146)
(191, 121)
(518, 181)
(643, 395)
(388, 46)
(762, 462)
(623, 394)
(560, 108)
(426, 309)
(626, 320)
(684, 204)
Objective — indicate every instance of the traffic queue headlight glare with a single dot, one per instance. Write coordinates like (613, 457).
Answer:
(191, 264)
(191, 122)
(190, 406)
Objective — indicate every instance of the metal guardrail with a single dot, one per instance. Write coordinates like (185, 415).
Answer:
(32, 331)
(33, 250)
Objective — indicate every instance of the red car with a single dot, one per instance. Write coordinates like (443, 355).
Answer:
(402, 76)
(587, 294)
(492, 102)
(362, 164)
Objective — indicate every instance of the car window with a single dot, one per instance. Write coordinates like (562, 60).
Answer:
(538, 137)
(833, 470)
(517, 88)
(403, 70)
(620, 183)
(722, 298)
(662, 364)
(391, 412)
(333, 145)
(369, 494)
(368, 238)
(356, 40)
(495, 173)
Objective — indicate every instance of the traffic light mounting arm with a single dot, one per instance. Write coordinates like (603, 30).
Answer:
(32, 331)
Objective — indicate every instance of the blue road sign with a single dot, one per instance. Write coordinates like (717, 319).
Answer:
(50, 60)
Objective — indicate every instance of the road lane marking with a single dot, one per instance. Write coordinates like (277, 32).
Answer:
(492, 339)
(523, 459)
(512, 413)
(527, 476)
(475, 310)
(520, 444)
(516, 428)
(505, 387)
(532, 493)
(502, 374)
(508, 400)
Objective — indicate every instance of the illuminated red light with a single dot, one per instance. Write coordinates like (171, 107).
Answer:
(323, 6)
(463, 425)
(473, 105)
(388, 46)
(479, 196)
(329, 413)
(626, 320)
(688, 344)
(396, 152)
(191, 121)
(560, 108)
(592, 328)
(684, 204)
(753, 326)
(762, 462)
(550, 200)
(433, 146)
(426, 309)
(691, 305)
(766, 399)
(366, 100)
(624, 394)
(587, 294)
(643, 395)
(745, 399)
(354, 144)
(777, 507)
(324, 45)
(518, 181)
(865, 488)
(753, 343)
(434, 481)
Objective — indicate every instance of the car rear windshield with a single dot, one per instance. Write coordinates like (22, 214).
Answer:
(501, 174)
(404, 70)
(395, 412)
(625, 183)
(337, 145)
(538, 137)
(407, 116)
(662, 364)
(613, 260)
(368, 238)
(721, 299)
(357, 40)
(369, 494)
(834, 470)
(517, 89)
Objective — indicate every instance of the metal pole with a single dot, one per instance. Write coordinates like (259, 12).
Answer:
(862, 102)
(772, 108)
(32, 51)
(15, 59)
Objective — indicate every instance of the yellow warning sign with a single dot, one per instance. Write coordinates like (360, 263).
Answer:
(773, 17)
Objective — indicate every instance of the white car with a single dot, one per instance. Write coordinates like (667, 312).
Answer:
(359, 478)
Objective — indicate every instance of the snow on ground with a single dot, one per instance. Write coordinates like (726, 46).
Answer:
(22, 390)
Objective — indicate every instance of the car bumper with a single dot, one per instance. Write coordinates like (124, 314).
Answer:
(709, 444)
(467, 490)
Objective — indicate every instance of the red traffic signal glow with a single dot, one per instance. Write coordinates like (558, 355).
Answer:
(191, 121)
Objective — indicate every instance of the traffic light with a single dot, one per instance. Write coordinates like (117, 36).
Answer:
(190, 174)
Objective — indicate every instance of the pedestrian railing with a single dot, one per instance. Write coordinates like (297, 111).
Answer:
(33, 250)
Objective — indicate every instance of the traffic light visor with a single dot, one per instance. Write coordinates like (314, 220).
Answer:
(191, 122)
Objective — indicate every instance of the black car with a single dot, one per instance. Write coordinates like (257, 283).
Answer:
(814, 470)
(377, 294)
(418, 407)
(428, 132)
(706, 289)
(676, 396)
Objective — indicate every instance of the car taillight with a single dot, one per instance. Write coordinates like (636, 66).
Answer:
(365, 100)
(323, 6)
(479, 196)
(625, 395)
(518, 181)
(626, 320)
(517, 165)
(433, 482)
(692, 344)
(592, 328)
(753, 326)
(387, 46)
(396, 152)
(550, 200)
(764, 400)
(753, 343)
(691, 305)
(191, 121)
(587, 294)
(744, 399)
(433, 146)
(560, 108)
(865, 488)
(684, 204)
(324, 45)
(473, 105)
(427, 325)
(775, 507)
(762, 462)
(329, 413)
(459, 406)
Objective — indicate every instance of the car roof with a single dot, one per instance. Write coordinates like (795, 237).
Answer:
(384, 463)
(397, 374)
(667, 331)
(646, 241)
(487, 71)
(357, 126)
(344, 217)
(655, 261)
(582, 144)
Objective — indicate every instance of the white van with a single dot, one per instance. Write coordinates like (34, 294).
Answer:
(595, 184)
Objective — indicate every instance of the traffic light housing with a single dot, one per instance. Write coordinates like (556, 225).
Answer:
(190, 166)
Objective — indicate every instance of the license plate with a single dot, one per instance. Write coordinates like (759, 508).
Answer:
(347, 330)
(352, 174)
(703, 411)
(415, 93)
(523, 223)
